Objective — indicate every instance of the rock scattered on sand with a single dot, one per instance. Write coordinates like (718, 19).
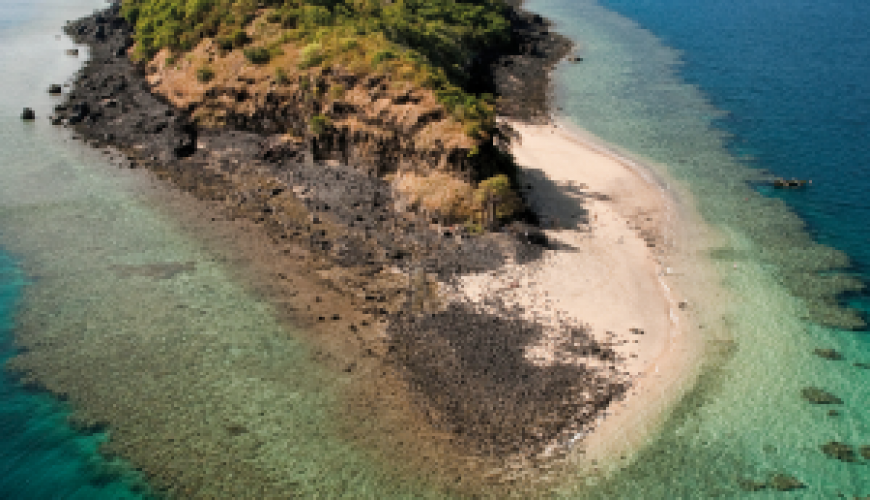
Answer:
(72, 52)
(785, 482)
(820, 397)
(840, 451)
(28, 114)
(54, 89)
(831, 354)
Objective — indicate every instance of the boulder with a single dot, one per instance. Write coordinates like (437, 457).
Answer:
(865, 452)
(840, 451)
(527, 233)
(820, 397)
(784, 482)
(54, 89)
(28, 114)
(72, 52)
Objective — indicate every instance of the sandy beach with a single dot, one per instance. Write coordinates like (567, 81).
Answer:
(621, 264)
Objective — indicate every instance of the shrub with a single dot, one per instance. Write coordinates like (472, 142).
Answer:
(312, 55)
(304, 83)
(225, 43)
(281, 76)
(336, 91)
(257, 55)
(319, 124)
(348, 44)
(204, 74)
(497, 189)
(239, 38)
(383, 55)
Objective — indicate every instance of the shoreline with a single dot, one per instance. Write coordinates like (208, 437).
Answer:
(668, 363)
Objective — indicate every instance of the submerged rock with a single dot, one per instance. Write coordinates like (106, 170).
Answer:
(865, 452)
(751, 484)
(866, 366)
(784, 482)
(828, 354)
(819, 397)
(840, 451)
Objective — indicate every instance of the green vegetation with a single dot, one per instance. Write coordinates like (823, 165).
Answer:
(204, 74)
(497, 190)
(319, 124)
(429, 42)
(281, 76)
(258, 55)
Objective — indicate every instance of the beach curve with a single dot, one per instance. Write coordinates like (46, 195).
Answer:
(624, 260)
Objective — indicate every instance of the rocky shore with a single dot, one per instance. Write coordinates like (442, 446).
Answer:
(462, 364)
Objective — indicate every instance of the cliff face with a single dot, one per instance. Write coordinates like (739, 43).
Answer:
(358, 118)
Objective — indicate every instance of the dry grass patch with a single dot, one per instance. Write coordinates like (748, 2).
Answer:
(440, 195)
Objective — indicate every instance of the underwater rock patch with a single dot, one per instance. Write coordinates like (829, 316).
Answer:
(840, 451)
(751, 484)
(831, 354)
(819, 397)
(785, 482)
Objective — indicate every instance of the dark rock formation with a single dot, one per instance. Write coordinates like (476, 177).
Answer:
(54, 89)
(519, 78)
(865, 452)
(818, 396)
(28, 114)
(475, 381)
(527, 233)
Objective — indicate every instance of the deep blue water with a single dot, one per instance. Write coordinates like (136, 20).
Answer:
(795, 78)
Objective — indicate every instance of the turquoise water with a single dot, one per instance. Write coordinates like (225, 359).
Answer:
(41, 456)
(707, 94)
